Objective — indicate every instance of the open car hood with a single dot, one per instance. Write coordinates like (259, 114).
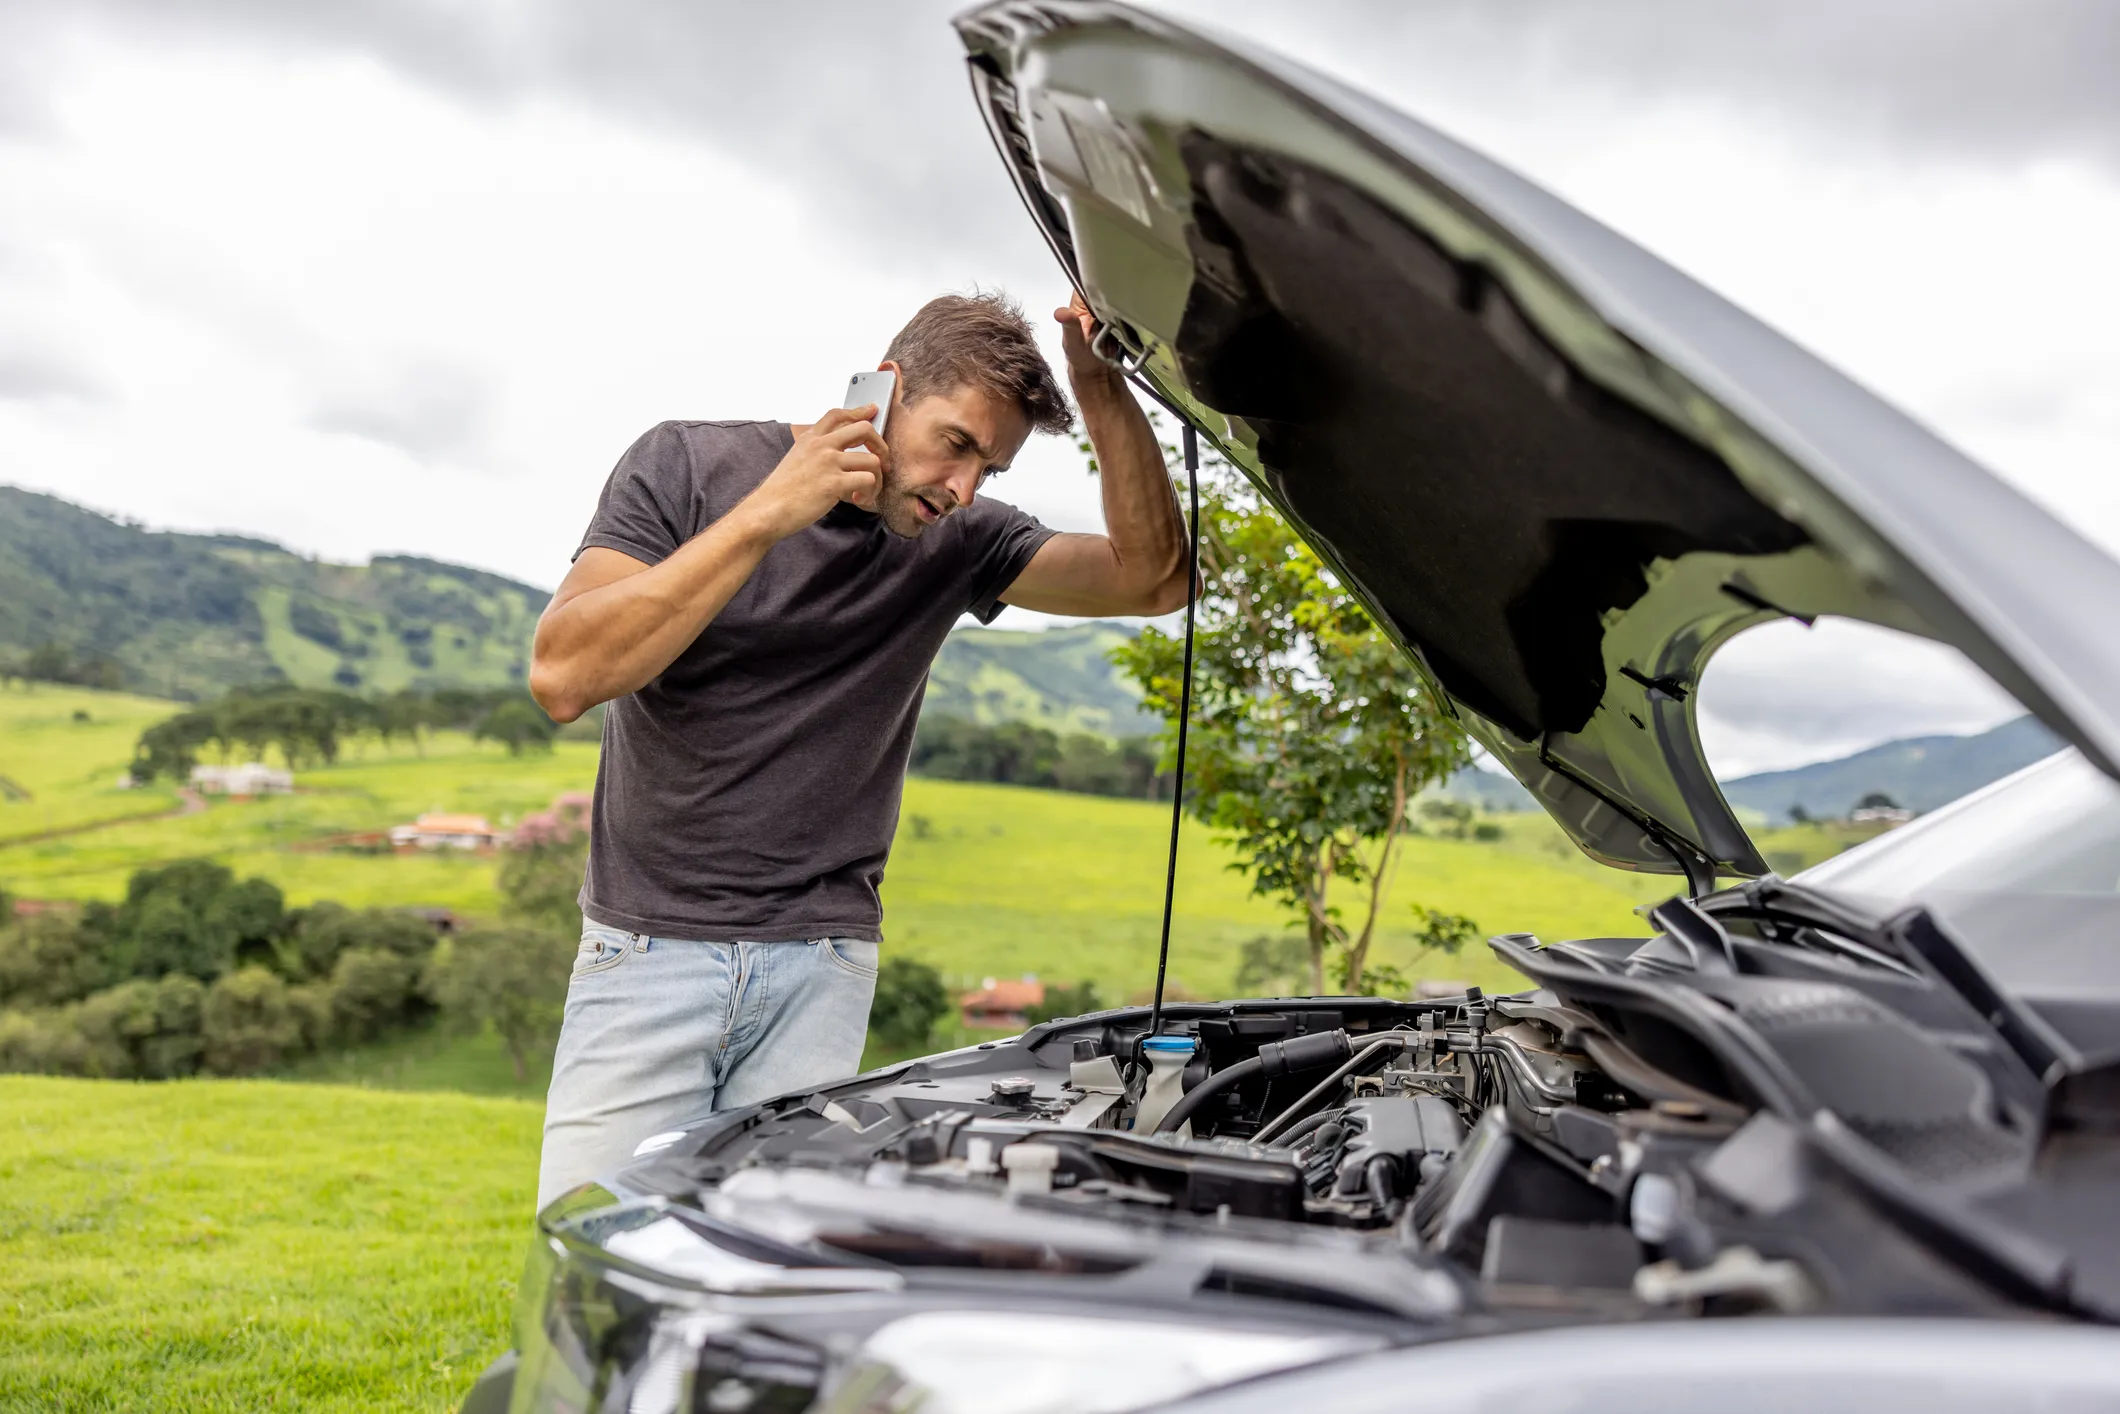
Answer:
(1560, 473)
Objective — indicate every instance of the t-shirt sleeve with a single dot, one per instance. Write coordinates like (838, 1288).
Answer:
(1003, 542)
(646, 509)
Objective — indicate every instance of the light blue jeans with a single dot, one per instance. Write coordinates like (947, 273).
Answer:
(659, 1031)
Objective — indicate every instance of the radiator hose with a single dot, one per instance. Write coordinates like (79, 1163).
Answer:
(1275, 1059)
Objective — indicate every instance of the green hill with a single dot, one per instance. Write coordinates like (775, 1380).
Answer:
(1059, 678)
(187, 616)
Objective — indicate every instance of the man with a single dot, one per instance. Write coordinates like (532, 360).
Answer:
(760, 605)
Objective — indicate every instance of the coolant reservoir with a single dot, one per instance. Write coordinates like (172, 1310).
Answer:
(1167, 1058)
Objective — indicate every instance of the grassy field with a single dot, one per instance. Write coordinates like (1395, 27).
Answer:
(59, 771)
(984, 880)
(248, 1245)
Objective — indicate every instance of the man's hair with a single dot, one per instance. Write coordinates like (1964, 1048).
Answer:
(980, 340)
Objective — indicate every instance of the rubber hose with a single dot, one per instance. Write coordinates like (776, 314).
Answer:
(1287, 1118)
(1200, 1094)
(1297, 1131)
(1275, 1059)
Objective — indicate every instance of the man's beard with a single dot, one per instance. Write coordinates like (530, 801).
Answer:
(894, 507)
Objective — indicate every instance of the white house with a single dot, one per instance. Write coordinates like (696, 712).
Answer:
(445, 830)
(250, 778)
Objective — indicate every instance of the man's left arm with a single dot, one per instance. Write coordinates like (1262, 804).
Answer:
(1138, 565)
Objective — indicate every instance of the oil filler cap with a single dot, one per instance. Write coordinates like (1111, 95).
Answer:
(1013, 1090)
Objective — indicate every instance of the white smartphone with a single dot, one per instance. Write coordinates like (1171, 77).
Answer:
(873, 387)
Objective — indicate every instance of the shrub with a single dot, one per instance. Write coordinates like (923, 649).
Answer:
(140, 1029)
(910, 999)
(40, 1043)
(309, 1003)
(191, 917)
(319, 934)
(46, 961)
(369, 989)
(512, 979)
(247, 1022)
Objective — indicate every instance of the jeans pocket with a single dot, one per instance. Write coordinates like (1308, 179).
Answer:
(602, 949)
(852, 954)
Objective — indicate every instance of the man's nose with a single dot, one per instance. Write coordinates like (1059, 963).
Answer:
(964, 485)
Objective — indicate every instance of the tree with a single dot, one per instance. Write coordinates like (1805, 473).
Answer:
(369, 989)
(44, 961)
(910, 999)
(1451, 818)
(191, 916)
(171, 746)
(518, 724)
(48, 662)
(248, 1023)
(315, 937)
(1311, 732)
(139, 1029)
(540, 874)
(1877, 800)
(513, 979)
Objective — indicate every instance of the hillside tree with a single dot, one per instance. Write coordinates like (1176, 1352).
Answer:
(1311, 734)
(513, 979)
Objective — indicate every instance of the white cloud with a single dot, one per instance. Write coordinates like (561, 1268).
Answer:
(1783, 695)
(381, 278)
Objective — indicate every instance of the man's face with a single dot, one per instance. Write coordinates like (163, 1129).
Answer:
(943, 446)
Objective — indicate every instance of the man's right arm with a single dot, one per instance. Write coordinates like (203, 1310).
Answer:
(617, 623)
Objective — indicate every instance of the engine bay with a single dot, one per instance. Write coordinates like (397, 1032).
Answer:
(1653, 1133)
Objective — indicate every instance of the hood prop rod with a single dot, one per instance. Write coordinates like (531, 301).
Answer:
(1177, 791)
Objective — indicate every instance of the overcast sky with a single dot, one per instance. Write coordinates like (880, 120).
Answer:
(406, 276)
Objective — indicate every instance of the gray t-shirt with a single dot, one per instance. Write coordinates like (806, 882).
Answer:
(751, 791)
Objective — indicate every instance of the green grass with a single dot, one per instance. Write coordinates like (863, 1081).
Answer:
(1794, 847)
(1002, 881)
(251, 1245)
(427, 1058)
(984, 880)
(70, 769)
(279, 837)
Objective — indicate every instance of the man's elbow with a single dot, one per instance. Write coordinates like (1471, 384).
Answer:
(551, 690)
(1166, 596)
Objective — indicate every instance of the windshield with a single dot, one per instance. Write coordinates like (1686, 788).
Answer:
(2051, 829)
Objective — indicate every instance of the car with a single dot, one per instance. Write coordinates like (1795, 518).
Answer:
(1845, 1140)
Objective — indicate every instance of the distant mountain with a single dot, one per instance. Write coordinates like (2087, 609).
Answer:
(190, 615)
(1919, 773)
(1058, 678)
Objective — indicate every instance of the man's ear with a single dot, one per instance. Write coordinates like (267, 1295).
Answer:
(897, 384)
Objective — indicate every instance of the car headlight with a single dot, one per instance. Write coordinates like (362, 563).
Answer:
(1035, 1362)
(638, 1308)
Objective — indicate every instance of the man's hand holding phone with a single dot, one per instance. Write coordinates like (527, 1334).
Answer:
(839, 457)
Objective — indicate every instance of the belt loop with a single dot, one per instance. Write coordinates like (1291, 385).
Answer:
(641, 942)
